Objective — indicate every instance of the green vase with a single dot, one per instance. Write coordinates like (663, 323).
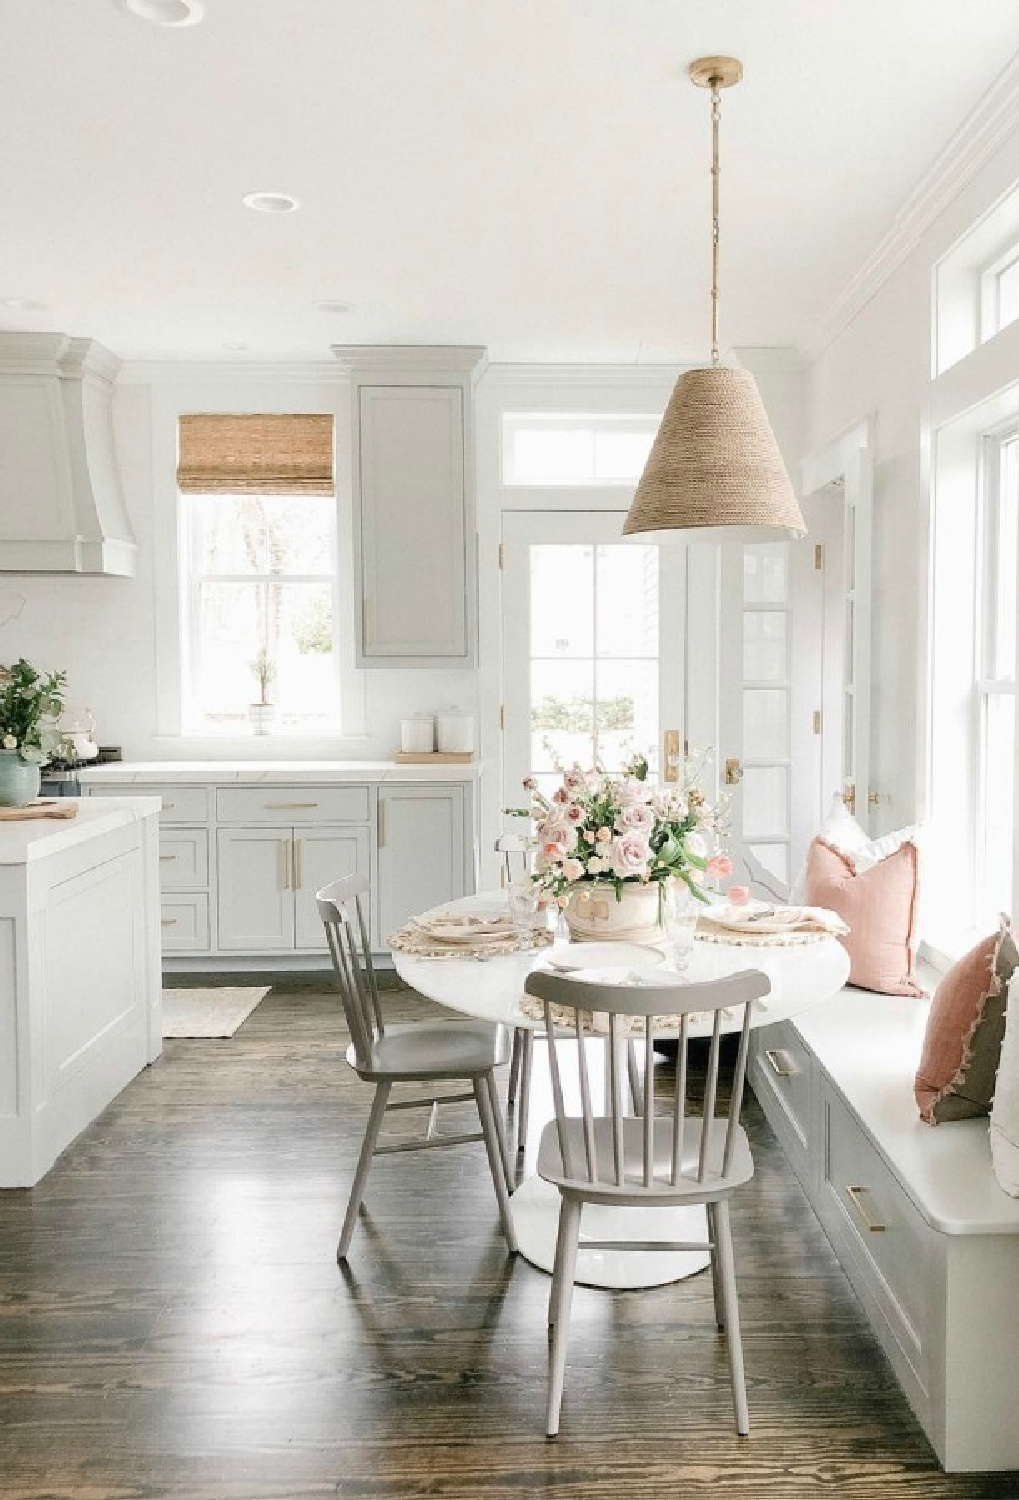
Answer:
(19, 779)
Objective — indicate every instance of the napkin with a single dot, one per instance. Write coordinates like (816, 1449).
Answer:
(776, 919)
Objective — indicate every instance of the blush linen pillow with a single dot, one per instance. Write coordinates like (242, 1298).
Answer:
(1005, 1109)
(962, 1045)
(877, 901)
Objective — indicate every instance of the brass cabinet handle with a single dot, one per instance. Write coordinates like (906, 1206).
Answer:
(167, 858)
(773, 1054)
(277, 805)
(854, 1194)
(296, 852)
(284, 864)
(381, 824)
(168, 922)
(169, 806)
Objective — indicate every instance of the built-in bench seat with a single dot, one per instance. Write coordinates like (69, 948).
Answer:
(928, 1240)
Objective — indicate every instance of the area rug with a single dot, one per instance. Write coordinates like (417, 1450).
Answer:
(208, 1013)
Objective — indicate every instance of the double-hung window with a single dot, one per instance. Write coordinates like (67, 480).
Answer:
(994, 705)
(259, 609)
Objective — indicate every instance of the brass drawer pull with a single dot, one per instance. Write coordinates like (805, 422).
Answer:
(278, 806)
(169, 806)
(167, 858)
(854, 1194)
(168, 922)
(773, 1054)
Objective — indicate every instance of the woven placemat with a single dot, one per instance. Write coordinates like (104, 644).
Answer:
(711, 932)
(412, 940)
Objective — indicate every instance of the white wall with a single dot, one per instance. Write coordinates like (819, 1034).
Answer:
(880, 367)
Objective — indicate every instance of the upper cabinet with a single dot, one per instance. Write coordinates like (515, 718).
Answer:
(413, 491)
(61, 504)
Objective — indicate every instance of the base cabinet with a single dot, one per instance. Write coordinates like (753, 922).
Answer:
(425, 853)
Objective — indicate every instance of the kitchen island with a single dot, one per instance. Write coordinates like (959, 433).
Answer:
(80, 988)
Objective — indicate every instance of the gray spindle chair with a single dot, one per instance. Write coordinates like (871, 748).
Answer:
(668, 1160)
(423, 1052)
(515, 849)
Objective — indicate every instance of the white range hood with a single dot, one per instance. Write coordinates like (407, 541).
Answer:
(61, 501)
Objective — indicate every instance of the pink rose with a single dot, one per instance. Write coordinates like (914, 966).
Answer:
(739, 895)
(720, 866)
(604, 835)
(637, 817)
(574, 813)
(629, 855)
(560, 794)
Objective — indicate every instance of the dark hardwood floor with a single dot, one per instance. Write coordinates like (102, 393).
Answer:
(173, 1321)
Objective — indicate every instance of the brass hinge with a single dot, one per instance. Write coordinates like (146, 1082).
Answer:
(502, 716)
(818, 721)
(819, 556)
(502, 555)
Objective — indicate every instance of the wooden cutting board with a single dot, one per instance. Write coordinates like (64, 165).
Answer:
(57, 807)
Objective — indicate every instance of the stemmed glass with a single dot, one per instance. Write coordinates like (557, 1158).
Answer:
(679, 920)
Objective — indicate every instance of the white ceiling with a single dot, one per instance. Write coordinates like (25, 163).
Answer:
(526, 174)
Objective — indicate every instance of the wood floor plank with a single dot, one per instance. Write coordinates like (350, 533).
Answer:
(173, 1322)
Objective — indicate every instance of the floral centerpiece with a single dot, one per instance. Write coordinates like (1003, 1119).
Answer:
(619, 841)
(27, 699)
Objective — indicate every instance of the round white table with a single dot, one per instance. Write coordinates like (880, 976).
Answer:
(492, 989)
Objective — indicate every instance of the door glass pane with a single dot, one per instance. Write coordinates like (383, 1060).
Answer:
(765, 723)
(562, 601)
(766, 573)
(774, 858)
(627, 601)
(847, 730)
(765, 801)
(850, 630)
(765, 657)
(999, 794)
(562, 714)
(1003, 662)
(627, 710)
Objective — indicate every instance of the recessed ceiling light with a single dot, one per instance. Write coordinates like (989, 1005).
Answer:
(270, 203)
(236, 348)
(165, 12)
(22, 304)
(333, 307)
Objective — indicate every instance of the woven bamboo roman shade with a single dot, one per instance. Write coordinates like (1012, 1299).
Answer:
(256, 455)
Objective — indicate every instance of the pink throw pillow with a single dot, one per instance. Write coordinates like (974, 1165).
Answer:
(879, 907)
(962, 1044)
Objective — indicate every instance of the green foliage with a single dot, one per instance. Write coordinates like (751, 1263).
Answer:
(28, 696)
(576, 715)
(313, 626)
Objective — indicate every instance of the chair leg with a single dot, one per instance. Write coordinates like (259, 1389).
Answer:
(514, 1072)
(490, 1130)
(507, 1160)
(716, 1276)
(565, 1270)
(553, 1291)
(364, 1161)
(524, 1101)
(731, 1304)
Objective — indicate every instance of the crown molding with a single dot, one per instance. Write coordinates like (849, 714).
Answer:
(514, 373)
(234, 372)
(967, 151)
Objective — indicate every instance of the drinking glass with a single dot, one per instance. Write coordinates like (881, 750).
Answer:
(679, 919)
(523, 906)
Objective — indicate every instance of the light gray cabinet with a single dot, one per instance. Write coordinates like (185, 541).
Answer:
(413, 504)
(425, 852)
(267, 879)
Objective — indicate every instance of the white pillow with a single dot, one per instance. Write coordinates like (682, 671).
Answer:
(844, 833)
(1005, 1109)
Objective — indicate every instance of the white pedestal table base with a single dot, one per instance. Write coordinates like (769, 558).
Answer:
(535, 1207)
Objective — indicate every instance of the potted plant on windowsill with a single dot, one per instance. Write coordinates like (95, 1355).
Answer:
(263, 712)
(27, 698)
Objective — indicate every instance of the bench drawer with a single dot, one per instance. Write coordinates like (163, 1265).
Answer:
(183, 859)
(184, 923)
(254, 805)
(890, 1241)
(181, 804)
(783, 1067)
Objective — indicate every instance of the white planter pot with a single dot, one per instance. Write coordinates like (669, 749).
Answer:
(595, 916)
(261, 716)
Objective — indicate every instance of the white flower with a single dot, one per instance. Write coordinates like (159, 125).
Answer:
(629, 855)
(637, 817)
(630, 792)
(572, 869)
(697, 845)
(10, 742)
(595, 865)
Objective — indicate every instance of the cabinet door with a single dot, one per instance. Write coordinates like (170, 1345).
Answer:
(424, 852)
(255, 898)
(321, 855)
(412, 514)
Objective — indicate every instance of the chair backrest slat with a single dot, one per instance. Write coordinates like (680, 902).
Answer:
(339, 906)
(710, 1088)
(735, 994)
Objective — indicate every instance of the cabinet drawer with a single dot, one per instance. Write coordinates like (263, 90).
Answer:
(891, 1242)
(181, 804)
(184, 924)
(183, 859)
(783, 1069)
(292, 804)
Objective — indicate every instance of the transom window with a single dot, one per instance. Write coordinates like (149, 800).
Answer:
(995, 696)
(558, 449)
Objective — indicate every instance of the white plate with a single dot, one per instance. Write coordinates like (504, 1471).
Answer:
(743, 919)
(569, 957)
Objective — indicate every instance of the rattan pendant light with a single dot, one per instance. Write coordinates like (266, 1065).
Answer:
(715, 462)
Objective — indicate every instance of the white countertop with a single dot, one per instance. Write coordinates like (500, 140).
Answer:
(252, 772)
(22, 843)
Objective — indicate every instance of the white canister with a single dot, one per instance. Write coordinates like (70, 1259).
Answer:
(417, 734)
(456, 733)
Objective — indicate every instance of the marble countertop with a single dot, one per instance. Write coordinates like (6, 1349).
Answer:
(253, 772)
(22, 843)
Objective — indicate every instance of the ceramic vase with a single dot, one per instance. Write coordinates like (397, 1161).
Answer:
(19, 779)
(594, 915)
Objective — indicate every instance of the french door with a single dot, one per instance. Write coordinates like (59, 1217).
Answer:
(592, 632)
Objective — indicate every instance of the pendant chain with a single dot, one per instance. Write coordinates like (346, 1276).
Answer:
(716, 115)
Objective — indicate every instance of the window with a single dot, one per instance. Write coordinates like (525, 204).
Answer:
(976, 285)
(999, 294)
(575, 450)
(259, 577)
(995, 695)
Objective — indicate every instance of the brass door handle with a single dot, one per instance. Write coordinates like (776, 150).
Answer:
(733, 772)
(296, 862)
(855, 1196)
